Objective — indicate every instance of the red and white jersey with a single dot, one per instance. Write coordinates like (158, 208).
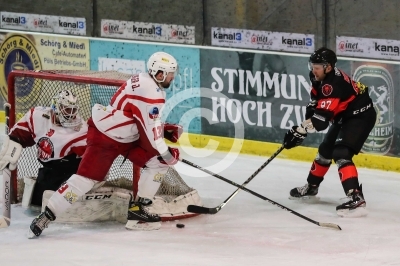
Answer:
(134, 110)
(53, 142)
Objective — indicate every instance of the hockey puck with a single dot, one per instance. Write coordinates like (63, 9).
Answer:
(180, 225)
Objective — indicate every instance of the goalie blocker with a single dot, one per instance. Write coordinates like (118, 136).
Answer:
(107, 203)
(10, 153)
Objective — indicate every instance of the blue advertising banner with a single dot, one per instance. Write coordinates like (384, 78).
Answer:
(183, 97)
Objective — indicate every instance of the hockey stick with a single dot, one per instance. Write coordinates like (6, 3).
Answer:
(204, 210)
(5, 221)
(328, 225)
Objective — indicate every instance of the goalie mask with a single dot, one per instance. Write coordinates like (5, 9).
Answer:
(66, 109)
(163, 62)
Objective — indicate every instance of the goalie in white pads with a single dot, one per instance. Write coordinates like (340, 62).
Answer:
(60, 137)
(129, 126)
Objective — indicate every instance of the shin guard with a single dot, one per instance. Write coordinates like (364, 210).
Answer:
(348, 175)
(317, 172)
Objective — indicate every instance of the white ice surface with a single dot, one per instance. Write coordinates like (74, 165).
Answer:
(247, 231)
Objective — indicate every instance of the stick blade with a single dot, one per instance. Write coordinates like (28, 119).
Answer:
(198, 209)
(330, 225)
(4, 222)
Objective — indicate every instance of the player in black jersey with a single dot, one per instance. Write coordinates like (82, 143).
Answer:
(338, 100)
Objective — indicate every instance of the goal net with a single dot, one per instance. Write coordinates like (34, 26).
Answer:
(27, 89)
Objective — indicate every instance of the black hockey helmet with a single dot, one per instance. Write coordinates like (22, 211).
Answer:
(323, 56)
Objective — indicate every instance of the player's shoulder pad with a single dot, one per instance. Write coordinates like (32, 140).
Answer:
(341, 79)
(41, 111)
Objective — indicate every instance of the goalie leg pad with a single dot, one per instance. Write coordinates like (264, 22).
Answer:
(176, 208)
(98, 205)
(30, 183)
(5, 196)
(69, 192)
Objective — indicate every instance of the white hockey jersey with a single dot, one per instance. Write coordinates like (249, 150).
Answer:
(134, 110)
(53, 142)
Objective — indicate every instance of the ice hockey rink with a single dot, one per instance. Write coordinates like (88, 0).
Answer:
(247, 231)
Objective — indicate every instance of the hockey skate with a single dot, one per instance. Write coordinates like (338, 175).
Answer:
(40, 223)
(305, 192)
(355, 207)
(140, 219)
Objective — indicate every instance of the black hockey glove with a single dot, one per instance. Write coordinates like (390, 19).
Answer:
(310, 109)
(293, 137)
(321, 119)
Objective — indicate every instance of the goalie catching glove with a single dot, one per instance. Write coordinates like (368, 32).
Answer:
(294, 137)
(10, 153)
(172, 132)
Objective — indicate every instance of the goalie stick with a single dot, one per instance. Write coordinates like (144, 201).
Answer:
(327, 225)
(204, 210)
(5, 221)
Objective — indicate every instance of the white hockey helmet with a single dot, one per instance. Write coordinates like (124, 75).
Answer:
(161, 61)
(65, 107)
